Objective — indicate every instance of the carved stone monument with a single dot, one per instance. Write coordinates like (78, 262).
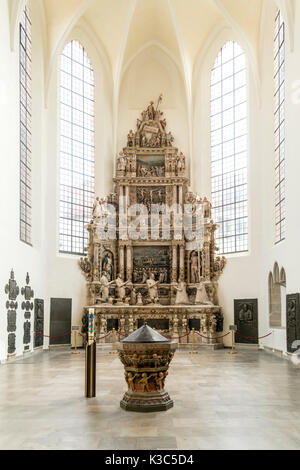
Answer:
(151, 174)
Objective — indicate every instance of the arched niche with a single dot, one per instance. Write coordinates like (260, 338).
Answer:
(277, 295)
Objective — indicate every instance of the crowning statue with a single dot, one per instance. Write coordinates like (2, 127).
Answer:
(166, 281)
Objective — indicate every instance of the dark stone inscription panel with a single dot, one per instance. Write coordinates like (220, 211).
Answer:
(194, 323)
(292, 320)
(246, 320)
(38, 323)
(157, 323)
(112, 323)
(60, 321)
(13, 291)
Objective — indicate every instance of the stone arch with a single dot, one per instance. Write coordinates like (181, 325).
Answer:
(277, 291)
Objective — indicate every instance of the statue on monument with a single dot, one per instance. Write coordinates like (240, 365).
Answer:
(181, 294)
(152, 288)
(121, 287)
(104, 287)
(201, 295)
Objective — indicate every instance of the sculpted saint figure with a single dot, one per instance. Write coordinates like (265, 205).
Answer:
(201, 295)
(194, 268)
(104, 289)
(151, 111)
(152, 288)
(181, 294)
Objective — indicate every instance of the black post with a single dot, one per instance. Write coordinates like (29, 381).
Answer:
(90, 370)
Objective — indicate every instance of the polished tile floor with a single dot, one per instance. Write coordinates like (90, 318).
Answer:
(247, 401)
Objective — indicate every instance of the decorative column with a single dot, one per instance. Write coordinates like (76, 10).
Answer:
(96, 262)
(127, 195)
(206, 248)
(180, 189)
(129, 262)
(174, 194)
(181, 263)
(174, 263)
(121, 260)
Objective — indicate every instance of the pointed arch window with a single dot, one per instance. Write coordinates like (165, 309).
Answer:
(25, 126)
(229, 146)
(279, 122)
(76, 148)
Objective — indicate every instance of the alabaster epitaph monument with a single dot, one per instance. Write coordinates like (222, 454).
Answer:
(156, 273)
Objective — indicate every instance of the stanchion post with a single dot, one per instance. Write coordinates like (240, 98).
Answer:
(233, 329)
(75, 343)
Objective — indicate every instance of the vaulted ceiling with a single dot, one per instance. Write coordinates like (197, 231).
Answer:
(124, 27)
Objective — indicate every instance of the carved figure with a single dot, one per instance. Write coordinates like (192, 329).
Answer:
(130, 378)
(194, 268)
(181, 294)
(201, 295)
(151, 111)
(152, 288)
(121, 291)
(104, 289)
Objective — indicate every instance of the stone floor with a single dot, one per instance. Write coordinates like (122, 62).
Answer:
(247, 401)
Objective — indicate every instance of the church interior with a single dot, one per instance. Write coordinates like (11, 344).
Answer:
(149, 160)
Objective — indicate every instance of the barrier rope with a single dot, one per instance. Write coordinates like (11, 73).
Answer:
(215, 337)
(166, 336)
(177, 337)
(254, 337)
(46, 336)
(103, 337)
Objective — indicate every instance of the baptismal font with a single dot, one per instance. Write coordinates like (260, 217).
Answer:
(159, 276)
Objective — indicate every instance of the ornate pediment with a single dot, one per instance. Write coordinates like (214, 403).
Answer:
(150, 129)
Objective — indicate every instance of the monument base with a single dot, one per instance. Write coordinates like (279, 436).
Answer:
(147, 402)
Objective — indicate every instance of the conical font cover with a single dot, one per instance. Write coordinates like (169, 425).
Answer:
(145, 334)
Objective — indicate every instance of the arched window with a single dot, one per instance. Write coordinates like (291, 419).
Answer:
(229, 129)
(25, 126)
(279, 118)
(76, 148)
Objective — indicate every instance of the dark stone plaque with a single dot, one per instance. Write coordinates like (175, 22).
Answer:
(60, 321)
(292, 320)
(194, 323)
(38, 323)
(157, 323)
(13, 291)
(27, 305)
(246, 320)
(220, 323)
(112, 323)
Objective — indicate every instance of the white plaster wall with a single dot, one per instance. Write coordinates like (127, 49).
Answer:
(151, 73)
(15, 254)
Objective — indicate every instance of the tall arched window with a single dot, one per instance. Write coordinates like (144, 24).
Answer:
(229, 135)
(25, 126)
(76, 148)
(279, 114)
